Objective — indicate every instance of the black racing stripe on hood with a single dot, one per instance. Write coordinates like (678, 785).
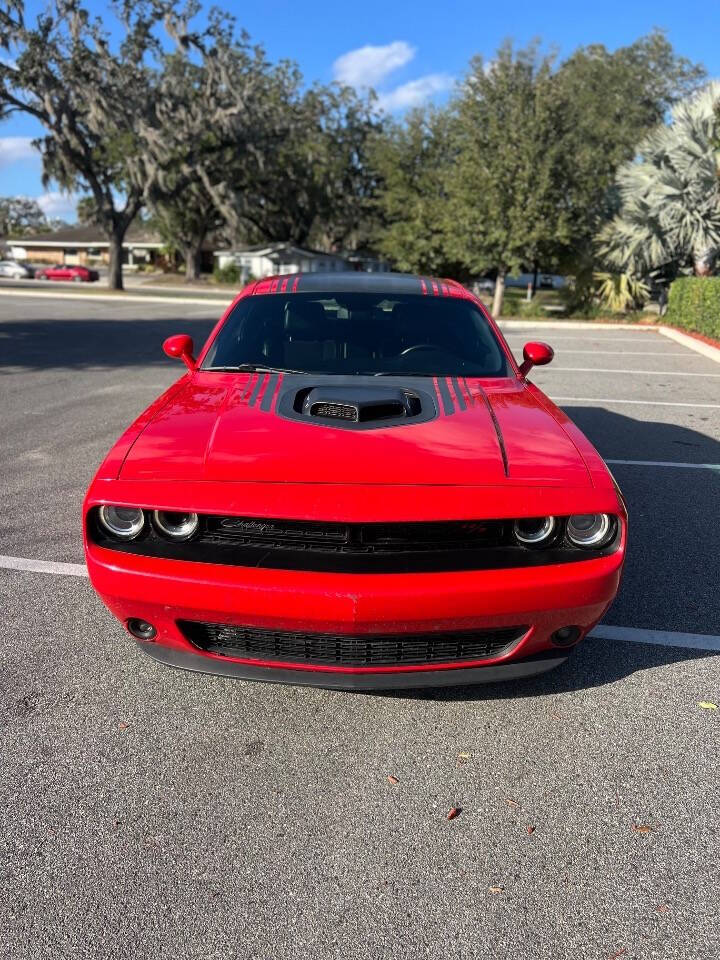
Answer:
(267, 399)
(256, 389)
(448, 405)
(459, 394)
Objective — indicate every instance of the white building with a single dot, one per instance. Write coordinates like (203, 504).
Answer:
(270, 259)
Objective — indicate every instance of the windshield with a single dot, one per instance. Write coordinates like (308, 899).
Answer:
(358, 333)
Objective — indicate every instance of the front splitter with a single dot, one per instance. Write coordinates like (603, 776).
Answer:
(404, 680)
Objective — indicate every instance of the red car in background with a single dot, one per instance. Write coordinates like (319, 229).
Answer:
(355, 485)
(76, 273)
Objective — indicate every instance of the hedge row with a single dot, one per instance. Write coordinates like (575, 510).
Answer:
(694, 303)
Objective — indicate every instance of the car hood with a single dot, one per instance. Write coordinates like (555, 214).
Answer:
(227, 427)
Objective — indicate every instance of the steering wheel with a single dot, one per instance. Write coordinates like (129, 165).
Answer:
(420, 346)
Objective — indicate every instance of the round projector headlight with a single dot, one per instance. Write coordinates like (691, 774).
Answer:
(533, 531)
(175, 525)
(589, 529)
(124, 523)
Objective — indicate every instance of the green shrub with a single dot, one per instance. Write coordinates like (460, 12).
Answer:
(620, 292)
(230, 273)
(694, 304)
(537, 307)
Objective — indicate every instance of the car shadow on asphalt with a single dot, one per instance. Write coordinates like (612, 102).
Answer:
(594, 663)
(78, 344)
(621, 437)
(670, 578)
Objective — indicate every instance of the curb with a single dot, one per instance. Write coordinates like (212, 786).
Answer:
(692, 343)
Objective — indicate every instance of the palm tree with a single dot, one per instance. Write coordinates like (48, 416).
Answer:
(670, 196)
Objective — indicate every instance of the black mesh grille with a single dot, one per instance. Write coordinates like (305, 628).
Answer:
(367, 538)
(358, 650)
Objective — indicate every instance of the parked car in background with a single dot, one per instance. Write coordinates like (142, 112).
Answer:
(545, 281)
(75, 273)
(16, 269)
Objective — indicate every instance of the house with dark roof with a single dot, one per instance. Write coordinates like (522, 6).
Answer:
(86, 245)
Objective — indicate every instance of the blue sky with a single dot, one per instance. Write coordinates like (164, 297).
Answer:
(409, 51)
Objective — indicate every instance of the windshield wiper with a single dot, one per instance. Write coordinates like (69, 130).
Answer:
(254, 368)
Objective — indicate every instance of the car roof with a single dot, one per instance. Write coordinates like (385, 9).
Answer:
(356, 281)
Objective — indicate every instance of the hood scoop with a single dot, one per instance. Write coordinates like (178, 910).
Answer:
(360, 404)
(348, 404)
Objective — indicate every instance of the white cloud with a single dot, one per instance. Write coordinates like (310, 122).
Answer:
(415, 92)
(55, 203)
(16, 150)
(368, 66)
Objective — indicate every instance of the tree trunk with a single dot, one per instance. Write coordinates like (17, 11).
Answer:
(499, 294)
(115, 274)
(192, 262)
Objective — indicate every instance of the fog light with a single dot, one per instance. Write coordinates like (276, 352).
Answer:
(565, 636)
(141, 629)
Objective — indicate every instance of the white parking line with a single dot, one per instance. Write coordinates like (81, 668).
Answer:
(649, 373)
(631, 353)
(642, 403)
(695, 641)
(118, 298)
(667, 463)
(695, 344)
(44, 566)
(665, 638)
(588, 339)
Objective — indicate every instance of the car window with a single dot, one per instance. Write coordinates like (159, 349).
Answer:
(359, 333)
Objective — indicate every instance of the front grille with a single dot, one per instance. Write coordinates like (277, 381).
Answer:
(350, 650)
(356, 538)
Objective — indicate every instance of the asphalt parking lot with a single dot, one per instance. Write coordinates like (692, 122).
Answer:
(151, 813)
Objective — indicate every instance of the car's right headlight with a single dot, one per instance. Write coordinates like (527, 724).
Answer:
(590, 529)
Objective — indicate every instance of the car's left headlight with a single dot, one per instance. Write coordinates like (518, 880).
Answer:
(590, 530)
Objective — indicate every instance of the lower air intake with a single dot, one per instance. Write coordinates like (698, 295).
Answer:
(350, 650)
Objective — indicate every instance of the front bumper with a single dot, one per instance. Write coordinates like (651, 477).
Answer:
(546, 598)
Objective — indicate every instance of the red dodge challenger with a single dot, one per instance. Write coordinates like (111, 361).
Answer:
(354, 485)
